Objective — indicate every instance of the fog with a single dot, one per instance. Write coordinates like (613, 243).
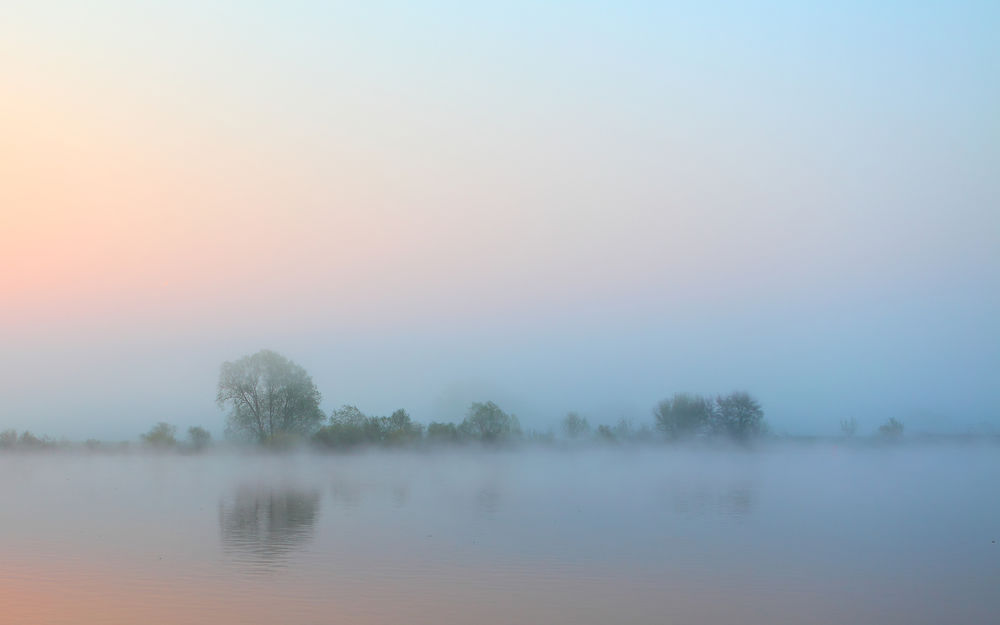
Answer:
(828, 533)
(523, 312)
(934, 370)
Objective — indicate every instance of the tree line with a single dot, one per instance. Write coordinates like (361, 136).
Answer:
(273, 401)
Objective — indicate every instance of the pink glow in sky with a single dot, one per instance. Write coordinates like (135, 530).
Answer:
(588, 209)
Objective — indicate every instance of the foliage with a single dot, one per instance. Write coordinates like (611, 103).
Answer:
(489, 424)
(442, 432)
(340, 435)
(270, 397)
(738, 415)
(575, 426)
(849, 427)
(349, 427)
(199, 438)
(8, 439)
(400, 429)
(540, 438)
(348, 415)
(683, 416)
(605, 433)
(161, 436)
(891, 429)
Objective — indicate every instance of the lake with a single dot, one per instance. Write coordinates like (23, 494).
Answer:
(789, 534)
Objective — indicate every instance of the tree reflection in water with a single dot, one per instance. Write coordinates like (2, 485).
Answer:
(262, 525)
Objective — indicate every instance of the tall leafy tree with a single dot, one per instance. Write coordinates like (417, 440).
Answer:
(270, 397)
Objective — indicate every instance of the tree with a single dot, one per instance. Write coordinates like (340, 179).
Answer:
(350, 427)
(849, 427)
(161, 436)
(605, 433)
(442, 432)
(891, 428)
(270, 397)
(575, 426)
(489, 423)
(8, 439)
(683, 415)
(348, 415)
(199, 437)
(400, 428)
(738, 415)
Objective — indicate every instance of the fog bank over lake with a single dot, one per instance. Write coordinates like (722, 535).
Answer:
(825, 533)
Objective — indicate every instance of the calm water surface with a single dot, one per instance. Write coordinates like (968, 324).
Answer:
(822, 534)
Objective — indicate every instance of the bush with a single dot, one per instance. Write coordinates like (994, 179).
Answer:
(199, 438)
(161, 436)
(442, 432)
(891, 429)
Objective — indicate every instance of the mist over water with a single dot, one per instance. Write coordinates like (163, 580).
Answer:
(777, 534)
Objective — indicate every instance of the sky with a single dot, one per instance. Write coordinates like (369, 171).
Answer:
(556, 206)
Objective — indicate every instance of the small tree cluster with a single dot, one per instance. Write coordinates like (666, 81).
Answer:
(162, 437)
(9, 440)
(737, 416)
(349, 427)
(891, 429)
(849, 427)
(574, 426)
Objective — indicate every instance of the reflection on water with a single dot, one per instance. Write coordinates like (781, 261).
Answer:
(346, 493)
(262, 524)
(734, 500)
(488, 499)
(658, 536)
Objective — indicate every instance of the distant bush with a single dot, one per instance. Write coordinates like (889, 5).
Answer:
(9, 440)
(349, 427)
(848, 427)
(540, 438)
(161, 436)
(199, 438)
(442, 432)
(574, 426)
(606, 434)
(891, 429)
